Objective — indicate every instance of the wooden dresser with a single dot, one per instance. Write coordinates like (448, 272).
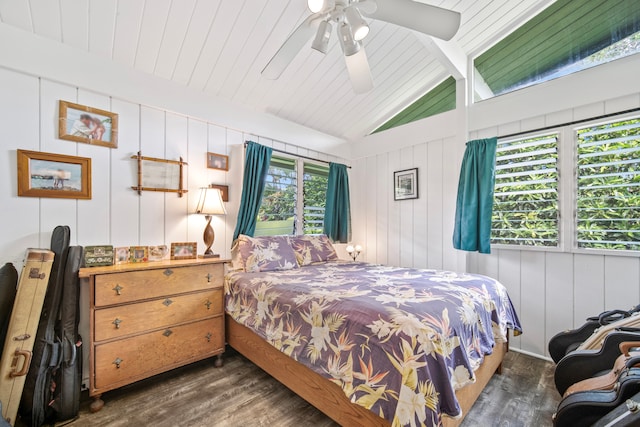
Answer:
(151, 317)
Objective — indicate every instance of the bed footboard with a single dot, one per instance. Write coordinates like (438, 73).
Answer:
(329, 397)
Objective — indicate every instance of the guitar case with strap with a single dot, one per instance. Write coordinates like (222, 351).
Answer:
(34, 406)
(21, 335)
(567, 341)
(8, 289)
(584, 408)
(68, 376)
(582, 364)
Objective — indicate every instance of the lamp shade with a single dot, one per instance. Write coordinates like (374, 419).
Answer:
(210, 202)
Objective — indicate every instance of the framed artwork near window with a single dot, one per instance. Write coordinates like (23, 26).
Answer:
(217, 161)
(53, 175)
(90, 125)
(405, 184)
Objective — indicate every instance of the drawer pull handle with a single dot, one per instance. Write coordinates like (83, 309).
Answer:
(167, 333)
(209, 276)
(117, 323)
(117, 362)
(168, 272)
(118, 288)
(208, 336)
(208, 304)
(167, 302)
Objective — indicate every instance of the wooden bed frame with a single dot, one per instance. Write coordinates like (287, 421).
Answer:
(329, 397)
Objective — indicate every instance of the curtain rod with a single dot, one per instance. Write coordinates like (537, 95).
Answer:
(298, 155)
(575, 122)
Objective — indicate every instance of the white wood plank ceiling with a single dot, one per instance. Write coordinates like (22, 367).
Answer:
(220, 47)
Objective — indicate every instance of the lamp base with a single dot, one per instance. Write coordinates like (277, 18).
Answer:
(209, 256)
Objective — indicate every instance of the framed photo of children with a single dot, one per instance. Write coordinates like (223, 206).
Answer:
(90, 125)
(217, 161)
(53, 175)
(405, 184)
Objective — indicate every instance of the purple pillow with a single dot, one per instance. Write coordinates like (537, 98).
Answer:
(313, 248)
(268, 253)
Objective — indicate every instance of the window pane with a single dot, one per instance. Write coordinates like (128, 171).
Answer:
(565, 38)
(315, 191)
(608, 194)
(525, 208)
(277, 211)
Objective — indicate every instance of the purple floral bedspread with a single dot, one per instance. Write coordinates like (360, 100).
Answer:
(398, 341)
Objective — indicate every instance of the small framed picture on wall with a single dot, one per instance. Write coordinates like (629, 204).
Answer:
(217, 161)
(405, 184)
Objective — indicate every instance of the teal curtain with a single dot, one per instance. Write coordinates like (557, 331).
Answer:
(256, 166)
(337, 213)
(474, 206)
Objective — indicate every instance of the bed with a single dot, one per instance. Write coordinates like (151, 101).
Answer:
(366, 344)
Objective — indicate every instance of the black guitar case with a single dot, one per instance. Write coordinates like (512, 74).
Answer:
(584, 408)
(68, 376)
(582, 364)
(567, 341)
(37, 389)
(625, 415)
(8, 287)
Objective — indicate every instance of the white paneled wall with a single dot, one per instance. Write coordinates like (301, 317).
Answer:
(115, 214)
(408, 233)
(551, 290)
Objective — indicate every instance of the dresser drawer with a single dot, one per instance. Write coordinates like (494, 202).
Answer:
(115, 322)
(121, 362)
(118, 288)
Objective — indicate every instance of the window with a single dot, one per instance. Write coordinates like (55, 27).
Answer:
(525, 209)
(280, 211)
(438, 100)
(314, 195)
(608, 186)
(566, 37)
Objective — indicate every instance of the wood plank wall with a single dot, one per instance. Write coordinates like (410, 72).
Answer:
(551, 291)
(115, 215)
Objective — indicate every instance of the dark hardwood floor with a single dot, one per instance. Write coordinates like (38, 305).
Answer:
(241, 394)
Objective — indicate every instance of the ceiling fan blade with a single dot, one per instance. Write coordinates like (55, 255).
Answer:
(290, 48)
(359, 72)
(431, 20)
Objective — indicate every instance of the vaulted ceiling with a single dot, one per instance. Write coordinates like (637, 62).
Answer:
(220, 47)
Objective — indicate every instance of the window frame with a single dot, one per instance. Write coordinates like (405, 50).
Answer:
(568, 191)
(298, 228)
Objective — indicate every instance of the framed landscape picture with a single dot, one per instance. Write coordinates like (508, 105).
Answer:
(405, 184)
(53, 175)
(90, 125)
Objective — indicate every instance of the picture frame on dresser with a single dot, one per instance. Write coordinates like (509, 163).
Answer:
(184, 250)
(138, 253)
(81, 123)
(53, 175)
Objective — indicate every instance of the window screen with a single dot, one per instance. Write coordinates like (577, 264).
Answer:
(278, 208)
(608, 186)
(525, 209)
(315, 192)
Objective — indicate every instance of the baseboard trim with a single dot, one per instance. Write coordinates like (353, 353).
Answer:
(528, 353)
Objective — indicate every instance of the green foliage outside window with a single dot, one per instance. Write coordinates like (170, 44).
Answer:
(278, 209)
(608, 194)
(525, 210)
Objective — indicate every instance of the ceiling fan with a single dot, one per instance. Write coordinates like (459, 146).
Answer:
(352, 28)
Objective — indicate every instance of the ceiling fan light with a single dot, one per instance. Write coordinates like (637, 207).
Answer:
(359, 26)
(316, 6)
(350, 46)
(321, 40)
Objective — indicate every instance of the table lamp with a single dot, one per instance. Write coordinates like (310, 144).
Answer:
(210, 203)
(354, 251)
